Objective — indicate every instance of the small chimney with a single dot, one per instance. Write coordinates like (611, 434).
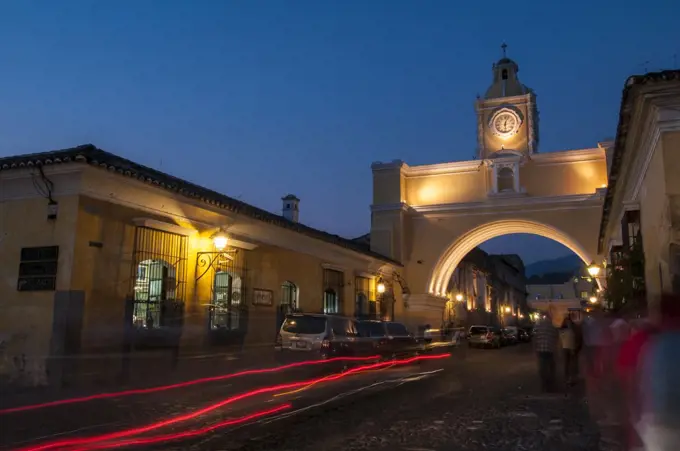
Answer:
(291, 207)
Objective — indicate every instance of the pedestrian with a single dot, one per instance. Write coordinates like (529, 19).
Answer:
(545, 343)
(569, 346)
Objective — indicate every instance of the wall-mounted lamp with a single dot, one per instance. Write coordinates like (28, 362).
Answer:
(593, 299)
(459, 297)
(381, 287)
(507, 309)
(220, 241)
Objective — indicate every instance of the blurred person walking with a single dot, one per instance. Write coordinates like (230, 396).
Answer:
(545, 344)
(569, 350)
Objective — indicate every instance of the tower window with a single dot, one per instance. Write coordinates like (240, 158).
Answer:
(504, 74)
(506, 180)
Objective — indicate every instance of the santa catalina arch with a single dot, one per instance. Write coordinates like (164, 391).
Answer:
(429, 217)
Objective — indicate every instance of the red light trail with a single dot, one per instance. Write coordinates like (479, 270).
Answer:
(143, 391)
(190, 433)
(230, 400)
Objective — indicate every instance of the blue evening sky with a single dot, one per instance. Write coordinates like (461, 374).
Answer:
(257, 99)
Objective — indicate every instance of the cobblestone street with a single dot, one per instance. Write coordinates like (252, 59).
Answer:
(483, 400)
(475, 400)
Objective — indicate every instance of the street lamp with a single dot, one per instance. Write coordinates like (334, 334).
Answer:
(507, 309)
(593, 269)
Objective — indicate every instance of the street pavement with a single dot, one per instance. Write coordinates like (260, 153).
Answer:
(475, 399)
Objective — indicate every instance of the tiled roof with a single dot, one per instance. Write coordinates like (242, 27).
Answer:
(625, 112)
(94, 156)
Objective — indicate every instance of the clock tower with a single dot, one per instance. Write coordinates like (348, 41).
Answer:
(507, 116)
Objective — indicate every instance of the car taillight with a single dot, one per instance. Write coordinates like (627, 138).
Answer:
(489, 335)
(325, 344)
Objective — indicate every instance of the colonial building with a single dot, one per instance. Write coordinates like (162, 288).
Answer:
(487, 289)
(640, 227)
(99, 254)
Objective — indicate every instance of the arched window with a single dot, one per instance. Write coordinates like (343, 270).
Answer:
(330, 302)
(154, 284)
(506, 180)
(226, 308)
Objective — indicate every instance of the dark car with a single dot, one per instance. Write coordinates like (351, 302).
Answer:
(388, 339)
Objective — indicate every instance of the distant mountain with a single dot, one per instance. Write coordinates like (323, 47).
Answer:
(566, 264)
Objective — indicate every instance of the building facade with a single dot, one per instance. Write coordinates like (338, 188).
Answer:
(99, 254)
(640, 227)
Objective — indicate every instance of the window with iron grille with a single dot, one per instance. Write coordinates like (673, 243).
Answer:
(333, 283)
(159, 278)
(228, 291)
(364, 298)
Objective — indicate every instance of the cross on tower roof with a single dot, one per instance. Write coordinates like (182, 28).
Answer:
(504, 46)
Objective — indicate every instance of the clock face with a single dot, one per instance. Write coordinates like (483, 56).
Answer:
(505, 123)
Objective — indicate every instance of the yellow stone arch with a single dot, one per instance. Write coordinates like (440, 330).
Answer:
(443, 270)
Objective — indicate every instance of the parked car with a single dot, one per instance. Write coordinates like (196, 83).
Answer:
(510, 335)
(389, 339)
(485, 336)
(311, 336)
(524, 336)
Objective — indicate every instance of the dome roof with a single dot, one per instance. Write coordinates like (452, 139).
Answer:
(505, 80)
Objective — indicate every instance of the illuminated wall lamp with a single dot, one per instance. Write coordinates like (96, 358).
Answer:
(220, 241)
(381, 287)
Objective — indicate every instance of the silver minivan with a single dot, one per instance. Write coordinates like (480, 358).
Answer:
(318, 335)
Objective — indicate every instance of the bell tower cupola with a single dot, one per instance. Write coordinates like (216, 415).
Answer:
(507, 115)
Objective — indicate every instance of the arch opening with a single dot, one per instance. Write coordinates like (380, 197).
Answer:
(446, 265)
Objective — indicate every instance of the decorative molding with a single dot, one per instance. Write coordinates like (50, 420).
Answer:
(162, 225)
(569, 156)
(365, 274)
(401, 206)
(28, 171)
(514, 201)
(333, 267)
(456, 167)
